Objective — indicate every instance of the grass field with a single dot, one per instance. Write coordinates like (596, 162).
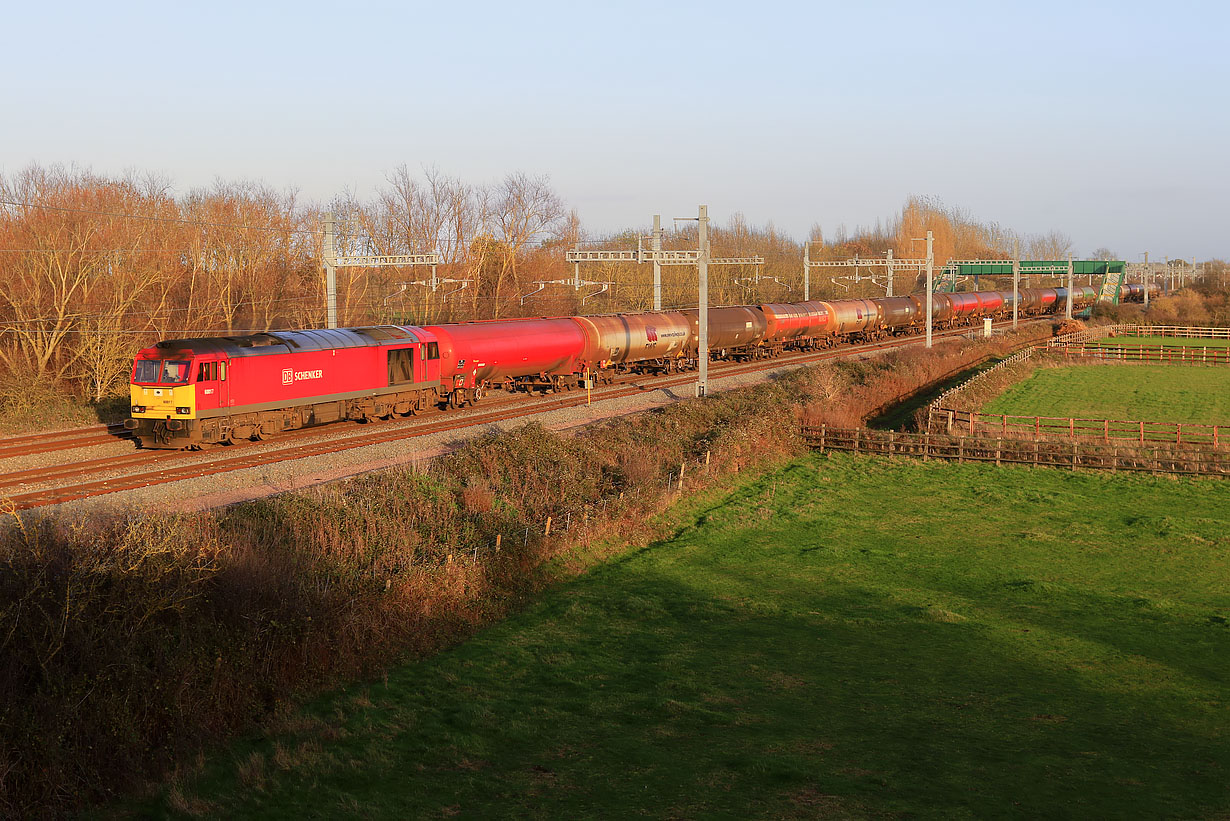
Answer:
(844, 637)
(1165, 393)
(1158, 342)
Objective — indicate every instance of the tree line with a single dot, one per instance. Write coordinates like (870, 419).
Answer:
(93, 267)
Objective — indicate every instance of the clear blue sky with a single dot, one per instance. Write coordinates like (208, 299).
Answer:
(1109, 121)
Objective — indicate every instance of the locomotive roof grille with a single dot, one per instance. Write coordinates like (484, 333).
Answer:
(265, 343)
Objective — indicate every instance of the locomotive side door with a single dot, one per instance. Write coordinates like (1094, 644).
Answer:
(431, 360)
(207, 384)
(210, 385)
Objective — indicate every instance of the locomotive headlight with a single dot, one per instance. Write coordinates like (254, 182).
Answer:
(138, 409)
(184, 411)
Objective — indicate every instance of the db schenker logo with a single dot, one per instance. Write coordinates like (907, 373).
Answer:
(290, 375)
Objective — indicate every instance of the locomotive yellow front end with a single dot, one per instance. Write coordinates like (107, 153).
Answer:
(163, 402)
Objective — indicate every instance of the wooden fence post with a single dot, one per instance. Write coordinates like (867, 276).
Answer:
(961, 450)
(499, 537)
(999, 444)
(547, 531)
(927, 446)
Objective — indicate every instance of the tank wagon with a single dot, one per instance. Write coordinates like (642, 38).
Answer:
(188, 393)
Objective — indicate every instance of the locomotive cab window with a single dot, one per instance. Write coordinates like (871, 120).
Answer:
(175, 372)
(433, 350)
(401, 366)
(207, 372)
(147, 371)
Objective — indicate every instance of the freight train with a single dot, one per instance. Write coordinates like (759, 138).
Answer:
(187, 393)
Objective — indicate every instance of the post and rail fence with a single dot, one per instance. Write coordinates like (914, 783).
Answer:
(973, 423)
(944, 414)
(1176, 331)
(1164, 355)
(1163, 458)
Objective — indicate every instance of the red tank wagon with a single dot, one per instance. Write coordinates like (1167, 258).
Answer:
(514, 353)
(796, 325)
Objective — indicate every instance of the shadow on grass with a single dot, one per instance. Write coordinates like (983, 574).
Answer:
(685, 682)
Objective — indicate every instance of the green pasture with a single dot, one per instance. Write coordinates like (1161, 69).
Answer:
(1158, 342)
(844, 637)
(1161, 393)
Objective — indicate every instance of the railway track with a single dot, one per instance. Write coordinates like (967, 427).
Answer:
(252, 455)
(32, 443)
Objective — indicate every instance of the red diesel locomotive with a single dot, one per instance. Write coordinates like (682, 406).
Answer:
(187, 393)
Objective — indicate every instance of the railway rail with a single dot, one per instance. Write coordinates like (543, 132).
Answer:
(182, 465)
(33, 443)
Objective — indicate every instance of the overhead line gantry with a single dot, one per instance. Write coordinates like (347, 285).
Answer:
(655, 254)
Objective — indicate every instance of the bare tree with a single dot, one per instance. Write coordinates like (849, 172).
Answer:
(1051, 245)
